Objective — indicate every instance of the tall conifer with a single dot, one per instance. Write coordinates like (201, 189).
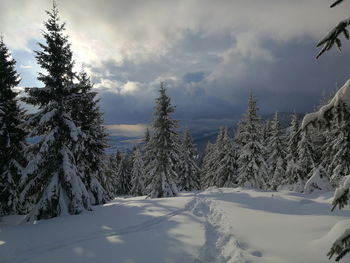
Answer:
(12, 135)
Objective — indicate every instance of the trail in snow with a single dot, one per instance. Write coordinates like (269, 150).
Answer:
(29, 253)
(221, 246)
(217, 226)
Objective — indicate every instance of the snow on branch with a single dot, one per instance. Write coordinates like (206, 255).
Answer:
(332, 37)
(74, 130)
(321, 116)
(340, 246)
(336, 3)
(47, 117)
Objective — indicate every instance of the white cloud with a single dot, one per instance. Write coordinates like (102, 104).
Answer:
(128, 47)
(26, 66)
(129, 87)
(128, 130)
(146, 30)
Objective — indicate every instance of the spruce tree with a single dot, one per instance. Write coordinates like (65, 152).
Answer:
(147, 137)
(123, 175)
(189, 171)
(339, 166)
(52, 177)
(212, 160)
(277, 154)
(147, 156)
(111, 180)
(341, 246)
(89, 118)
(266, 135)
(318, 181)
(163, 150)
(306, 157)
(227, 169)
(293, 179)
(253, 170)
(12, 135)
(137, 174)
(336, 115)
(106, 178)
(207, 165)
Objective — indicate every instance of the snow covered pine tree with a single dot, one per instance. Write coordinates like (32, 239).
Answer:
(292, 178)
(277, 154)
(206, 169)
(189, 171)
(214, 154)
(252, 165)
(137, 174)
(12, 135)
(306, 159)
(163, 150)
(337, 109)
(342, 246)
(91, 157)
(227, 169)
(52, 177)
(123, 176)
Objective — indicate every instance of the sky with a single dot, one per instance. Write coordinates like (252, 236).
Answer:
(209, 53)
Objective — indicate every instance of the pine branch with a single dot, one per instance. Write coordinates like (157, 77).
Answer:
(332, 37)
(336, 3)
(341, 246)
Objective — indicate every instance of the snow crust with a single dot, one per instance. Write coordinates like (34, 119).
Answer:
(217, 225)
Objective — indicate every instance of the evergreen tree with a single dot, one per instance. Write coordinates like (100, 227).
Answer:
(207, 165)
(227, 169)
(12, 135)
(336, 115)
(339, 166)
(277, 154)
(54, 179)
(123, 176)
(163, 150)
(92, 156)
(266, 134)
(253, 169)
(106, 178)
(147, 137)
(189, 171)
(111, 183)
(339, 170)
(212, 160)
(147, 155)
(306, 155)
(341, 246)
(293, 179)
(318, 181)
(137, 174)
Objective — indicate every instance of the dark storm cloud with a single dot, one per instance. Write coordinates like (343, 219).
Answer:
(293, 80)
(209, 53)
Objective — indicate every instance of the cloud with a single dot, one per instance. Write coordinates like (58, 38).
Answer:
(147, 30)
(209, 53)
(128, 130)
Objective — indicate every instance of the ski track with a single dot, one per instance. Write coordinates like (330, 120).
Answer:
(220, 245)
(30, 253)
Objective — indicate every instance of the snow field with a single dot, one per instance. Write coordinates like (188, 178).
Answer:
(216, 225)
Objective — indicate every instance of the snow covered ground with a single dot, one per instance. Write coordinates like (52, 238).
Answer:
(216, 225)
